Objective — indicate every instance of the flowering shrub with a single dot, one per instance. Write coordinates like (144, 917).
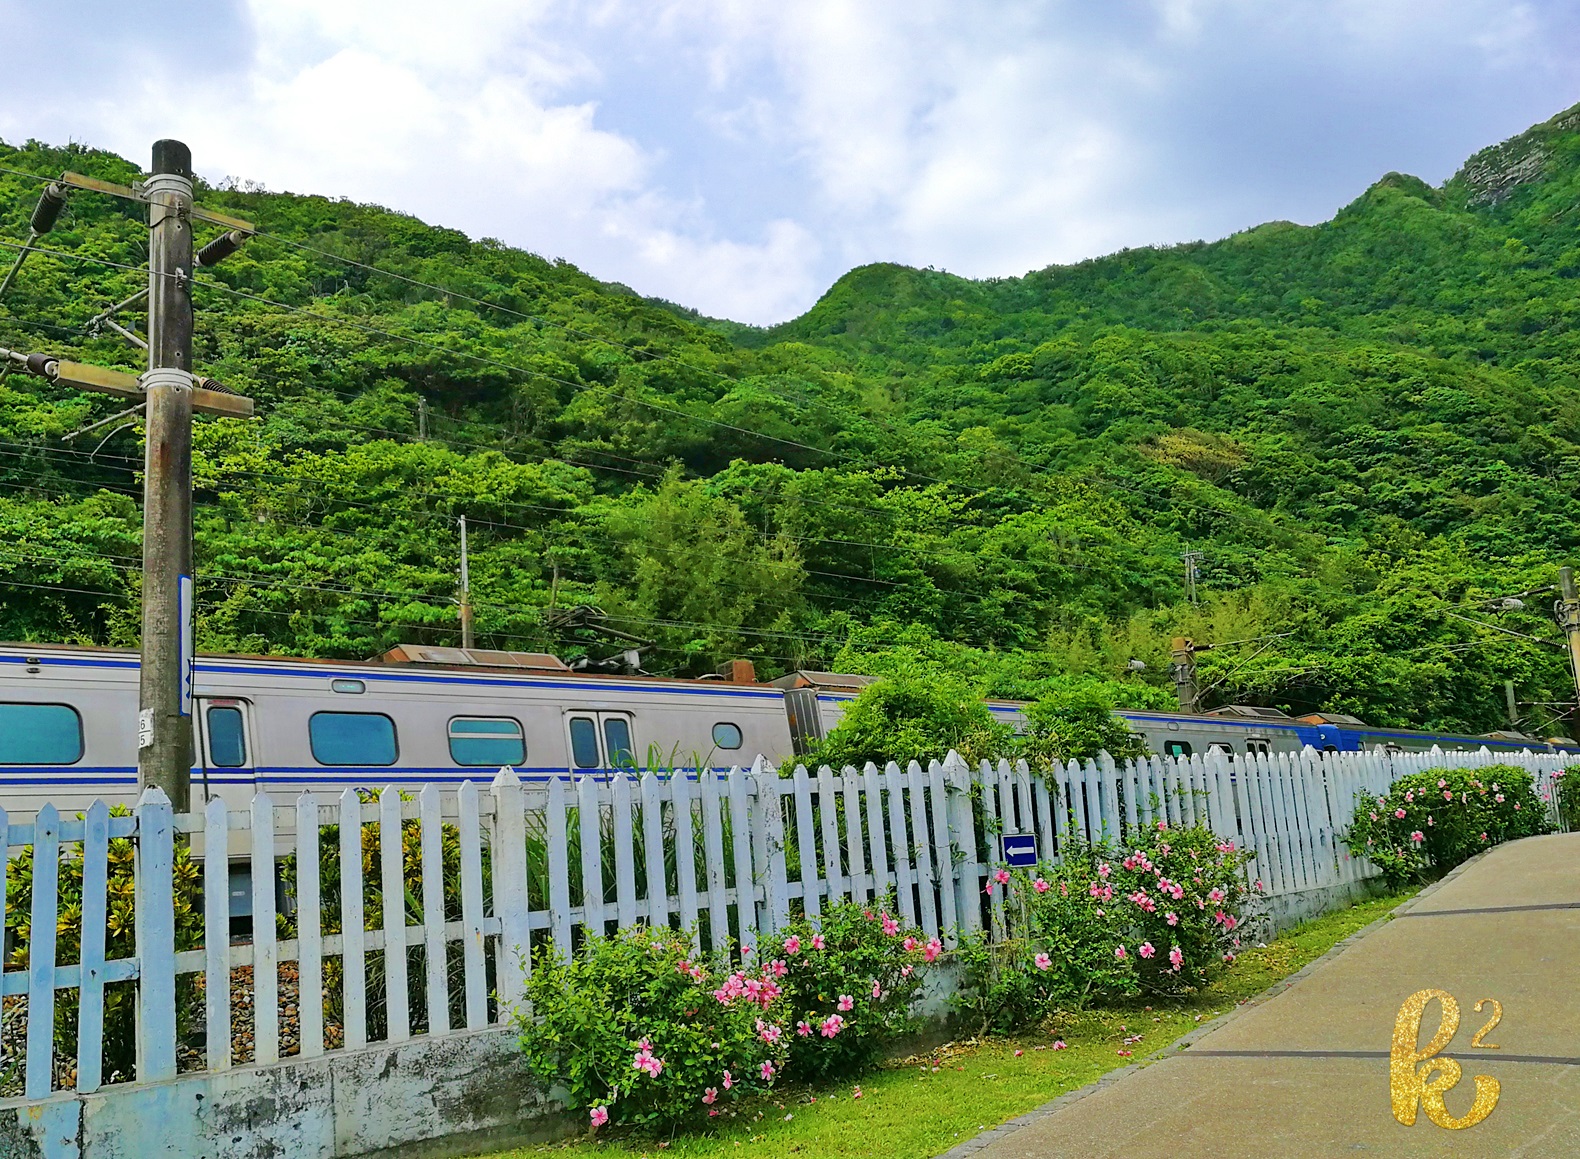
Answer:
(637, 1029)
(1162, 913)
(1566, 791)
(849, 982)
(1429, 822)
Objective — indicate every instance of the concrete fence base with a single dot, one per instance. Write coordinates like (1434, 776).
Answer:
(454, 1095)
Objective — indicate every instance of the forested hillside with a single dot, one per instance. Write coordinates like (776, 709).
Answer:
(1366, 428)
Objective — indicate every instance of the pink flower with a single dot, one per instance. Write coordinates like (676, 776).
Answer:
(905, 970)
(832, 1025)
(792, 945)
(1041, 886)
(1103, 870)
(1119, 952)
(728, 1081)
(1409, 795)
(768, 1032)
(1441, 783)
(1018, 1053)
(1172, 918)
(1259, 886)
(1060, 1044)
(1399, 813)
(1146, 950)
(1516, 805)
(1176, 959)
(846, 1002)
(1228, 957)
(1162, 825)
(767, 1071)
(1002, 877)
(711, 1095)
(777, 968)
(890, 926)
(599, 1116)
(856, 1094)
(1483, 836)
(1429, 821)
(1372, 815)
(1418, 836)
(1043, 962)
(803, 1028)
(910, 945)
(1499, 798)
(934, 948)
(877, 990)
(817, 941)
(1215, 895)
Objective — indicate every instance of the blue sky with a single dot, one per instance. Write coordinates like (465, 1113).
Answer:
(739, 155)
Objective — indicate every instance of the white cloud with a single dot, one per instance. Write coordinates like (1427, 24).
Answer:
(736, 155)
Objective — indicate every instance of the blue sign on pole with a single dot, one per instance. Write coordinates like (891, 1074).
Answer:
(1020, 850)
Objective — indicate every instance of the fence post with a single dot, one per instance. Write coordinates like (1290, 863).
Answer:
(963, 837)
(510, 887)
(154, 921)
(41, 956)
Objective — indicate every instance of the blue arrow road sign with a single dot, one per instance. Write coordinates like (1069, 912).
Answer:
(1020, 850)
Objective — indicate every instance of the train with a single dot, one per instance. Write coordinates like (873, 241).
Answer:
(421, 714)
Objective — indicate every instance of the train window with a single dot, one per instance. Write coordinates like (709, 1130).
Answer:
(617, 742)
(727, 735)
(481, 740)
(1260, 747)
(40, 734)
(584, 742)
(1176, 748)
(355, 687)
(352, 738)
(1219, 746)
(227, 739)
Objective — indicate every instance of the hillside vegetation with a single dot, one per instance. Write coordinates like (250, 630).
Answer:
(1365, 427)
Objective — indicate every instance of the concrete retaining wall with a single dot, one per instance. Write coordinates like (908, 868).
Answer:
(454, 1095)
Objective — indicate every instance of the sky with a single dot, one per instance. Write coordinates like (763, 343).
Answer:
(737, 156)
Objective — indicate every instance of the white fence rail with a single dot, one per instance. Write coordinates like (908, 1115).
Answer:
(483, 877)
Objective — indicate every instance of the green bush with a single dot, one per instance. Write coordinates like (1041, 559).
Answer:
(638, 1029)
(1429, 822)
(849, 984)
(1162, 913)
(1566, 795)
(904, 718)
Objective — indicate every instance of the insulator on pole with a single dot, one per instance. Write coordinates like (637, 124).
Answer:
(221, 248)
(42, 365)
(47, 212)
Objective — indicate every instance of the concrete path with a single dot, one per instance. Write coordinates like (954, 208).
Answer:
(1307, 1072)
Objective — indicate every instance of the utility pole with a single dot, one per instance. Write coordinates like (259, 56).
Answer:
(1192, 573)
(1568, 610)
(466, 592)
(1183, 652)
(1512, 705)
(164, 754)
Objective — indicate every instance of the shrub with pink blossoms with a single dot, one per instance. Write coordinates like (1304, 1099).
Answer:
(637, 1029)
(852, 984)
(1431, 821)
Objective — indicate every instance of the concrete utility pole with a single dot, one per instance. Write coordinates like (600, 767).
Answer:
(1192, 573)
(1512, 704)
(164, 754)
(1568, 610)
(466, 592)
(1183, 652)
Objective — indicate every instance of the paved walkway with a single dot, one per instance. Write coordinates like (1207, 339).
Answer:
(1307, 1072)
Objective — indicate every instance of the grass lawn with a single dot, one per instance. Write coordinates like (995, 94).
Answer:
(920, 1107)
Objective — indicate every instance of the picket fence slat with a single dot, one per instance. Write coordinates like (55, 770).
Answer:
(397, 1005)
(353, 922)
(926, 882)
(875, 834)
(41, 955)
(624, 853)
(856, 864)
(943, 846)
(435, 950)
(95, 912)
(309, 931)
(771, 801)
(559, 864)
(713, 850)
(806, 843)
(469, 832)
(828, 816)
(993, 824)
(900, 846)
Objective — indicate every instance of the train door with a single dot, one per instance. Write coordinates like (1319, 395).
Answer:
(601, 740)
(225, 750)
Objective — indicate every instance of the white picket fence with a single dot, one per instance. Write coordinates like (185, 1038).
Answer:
(733, 856)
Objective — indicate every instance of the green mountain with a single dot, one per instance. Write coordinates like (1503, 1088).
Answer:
(1363, 430)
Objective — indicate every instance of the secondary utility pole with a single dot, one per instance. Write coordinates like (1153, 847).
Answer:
(1192, 573)
(164, 754)
(1568, 610)
(466, 593)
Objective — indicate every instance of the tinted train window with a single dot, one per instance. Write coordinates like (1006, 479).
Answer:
(726, 735)
(584, 742)
(40, 734)
(617, 742)
(1176, 748)
(227, 741)
(352, 738)
(486, 740)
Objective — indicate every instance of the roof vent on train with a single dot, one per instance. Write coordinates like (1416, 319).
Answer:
(1248, 711)
(474, 658)
(841, 681)
(1332, 718)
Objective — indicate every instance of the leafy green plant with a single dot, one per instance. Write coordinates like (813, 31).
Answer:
(851, 977)
(1566, 796)
(639, 1030)
(1429, 822)
(903, 717)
